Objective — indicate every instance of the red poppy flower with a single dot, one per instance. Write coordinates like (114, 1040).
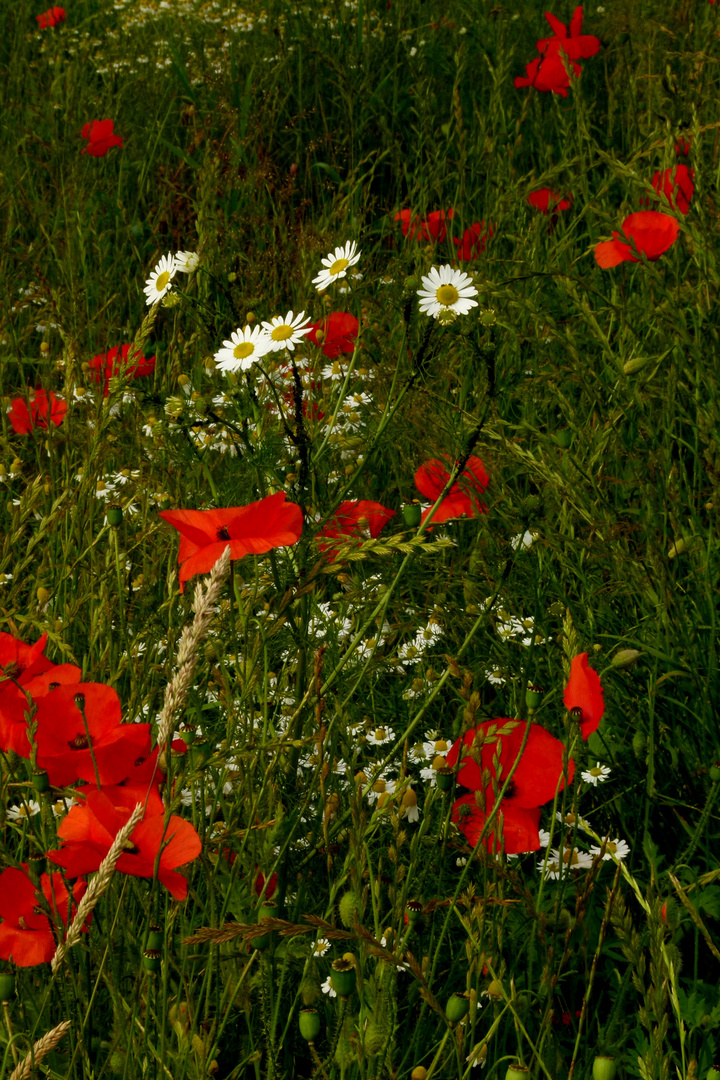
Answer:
(462, 499)
(249, 530)
(260, 882)
(142, 782)
(682, 146)
(80, 735)
(677, 184)
(652, 233)
(548, 74)
(355, 517)
(549, 202)
(104, 366)
(101, 137)
(25, 670)
(583, 691)
(45, 409)
(90, 828)
(432, 228)
(51, 17)
(518, 827)
(539, 772)
(474, 241)
(26, 934)
(575, 45)
(340, 331)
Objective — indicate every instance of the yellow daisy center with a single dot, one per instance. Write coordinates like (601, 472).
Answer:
(611, 847)
(282, 332)
(162, 280)
(595, 771)
(338, 266)
(570, 857)
(245, 348)
(447, 295)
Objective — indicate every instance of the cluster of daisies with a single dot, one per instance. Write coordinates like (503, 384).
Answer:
(446, 293)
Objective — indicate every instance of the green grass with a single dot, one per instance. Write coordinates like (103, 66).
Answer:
(262, 140)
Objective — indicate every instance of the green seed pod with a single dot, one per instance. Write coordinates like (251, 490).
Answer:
(41, 781)
(156, 937)
(414, 911)
(533, 696)
(564, 438)
(342, 977)
(713, 1072)
(152, 960)
(715, 772)
(349, 909)
(114, 515)
(457, 1008)
(412, 512)
(7, 985)
(517, 1072)
(187, 734)
(445, 777)
(604, 1067)
(309, 1023)
(200, 753)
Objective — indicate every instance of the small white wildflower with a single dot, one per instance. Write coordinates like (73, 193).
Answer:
(618, 848)
(321, 946)
(327, 988)
(336, 265)
(288, 332)
(597, 775)
(160, 281)
(25, 810)
(445, 289)
(187, 261)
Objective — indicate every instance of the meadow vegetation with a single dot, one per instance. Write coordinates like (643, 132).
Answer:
(405, 763)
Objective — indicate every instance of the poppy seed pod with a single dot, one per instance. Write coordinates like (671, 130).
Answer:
(517, 1072)
(156, 937)
(445, 778)
(457, 1008)
(412, 513)
(114, 515)
(41, 781)
(564, 438)
(604, 1067)
(265, 911)
(533, 696)
(152, 960)
(342, 977)
(414, 911)
(713, 1072)
(309, 1023)
(715, 772)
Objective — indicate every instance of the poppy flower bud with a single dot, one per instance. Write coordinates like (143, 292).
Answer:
(495, 990)
(457, 1008)
(604, 1067)
(16, 466)
(7, 985)
(43, 595)
(418, 1073)
(714, 772)
(564, 438)
(294, 168)
(342, 977)
(625, 658)
(44, 346)
(320, 336)
(631, 366)
(250, 317)
(200, 753)
(309, 1024)
(639, 743)
(349, 909)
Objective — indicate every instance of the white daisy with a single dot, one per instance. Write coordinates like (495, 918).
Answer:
(187, 261)
(245, 346)
(567, 859)
(597, 775)
(288, 332)
(445, 289)
(380, 736)
(326, 988)
(25, 810)
(336, 265)
(618, 848)
(160, 280)
(321, 946)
